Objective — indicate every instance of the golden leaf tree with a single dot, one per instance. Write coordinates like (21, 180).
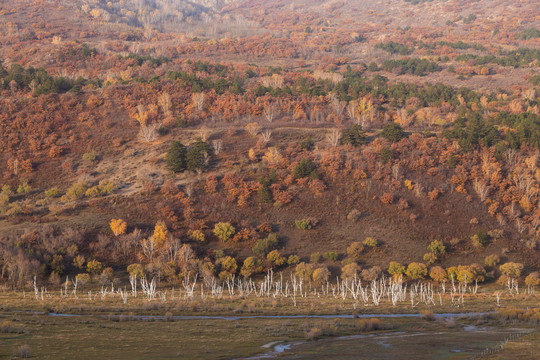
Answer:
(118, 226)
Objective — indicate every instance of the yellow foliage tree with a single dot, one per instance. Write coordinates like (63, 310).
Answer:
(272, 157)
(160, 234)
(252, 155)
(118, 226)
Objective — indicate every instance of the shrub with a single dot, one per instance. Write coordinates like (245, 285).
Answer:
(24, 188)
(94, 267)
(372, 66)
(315, 258)
(313, 334)
(354, 136)
(52, 192)
(25, 351)
(470, 273)
(197, 235)
(350, 271)
(480, 239)
(118, 226)
(57, 263)
(387, 198)
(307, 144)
(228, 264)
(511, 269)
(392, 132)
(532, 280)
(371, 274)
(492, 260)
(386, 155)
(7, 327)
(275, 258)
(396, 269)
(438, 274)
(437, 248)
(90, 156)
(304, 169)
(79, 262)
(92, 192)
(293, 260)
(331, 255)
(430, 258)
(304, 271)
(320, 275)
(264, 193)
(416, 271)
(76, 191)
(304, 224)
(224, 230)
(197, 155)
(218, 254)
(181, 122)
(355, 250)
(176, 157)
(372, 324)
(264, 246)
(251, 266)
(136, 270)
(161, 233)
(370, 242)
(82, 279)
(428, 315)
(106, 187)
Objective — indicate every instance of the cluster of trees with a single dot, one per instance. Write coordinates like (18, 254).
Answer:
(412, 66)
(394, 48)
(51, 254)
(194, 158)
(458, 45)
(515, 58)
(37, 80)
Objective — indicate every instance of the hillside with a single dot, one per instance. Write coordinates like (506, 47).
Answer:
(233, 137)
